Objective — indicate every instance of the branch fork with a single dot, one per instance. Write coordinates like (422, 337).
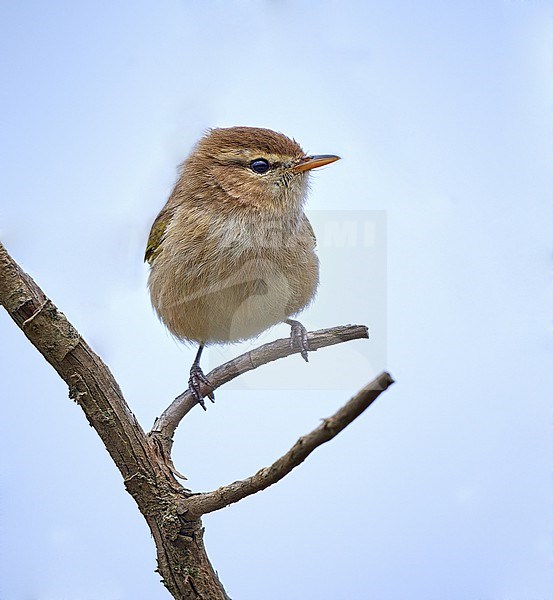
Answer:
(172, 512)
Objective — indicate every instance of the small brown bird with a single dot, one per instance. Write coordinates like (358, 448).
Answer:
(232, 252)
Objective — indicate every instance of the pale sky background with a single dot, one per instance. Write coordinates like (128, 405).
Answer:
(442, 114)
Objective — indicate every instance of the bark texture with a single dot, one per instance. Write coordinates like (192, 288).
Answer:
(172, 512)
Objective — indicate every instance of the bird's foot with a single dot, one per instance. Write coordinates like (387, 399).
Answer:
(197, 377)
(298, 338)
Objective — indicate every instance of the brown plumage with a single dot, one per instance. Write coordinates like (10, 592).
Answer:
(232, 252)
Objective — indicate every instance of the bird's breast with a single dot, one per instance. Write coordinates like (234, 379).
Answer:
(238, 279)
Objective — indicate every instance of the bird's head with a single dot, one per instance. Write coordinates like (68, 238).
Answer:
(251, 167)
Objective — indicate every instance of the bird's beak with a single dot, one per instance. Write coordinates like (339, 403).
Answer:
(312, 162)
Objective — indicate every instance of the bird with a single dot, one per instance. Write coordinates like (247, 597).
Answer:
(232, 252)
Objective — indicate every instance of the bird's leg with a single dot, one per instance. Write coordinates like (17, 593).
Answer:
(196, 378)
(298, 337)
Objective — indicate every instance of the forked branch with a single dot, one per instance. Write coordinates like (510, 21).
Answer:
(166, 424)
(172, 512)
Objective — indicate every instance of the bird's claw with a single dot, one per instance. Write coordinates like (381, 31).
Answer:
(298, 338)
(197, 377)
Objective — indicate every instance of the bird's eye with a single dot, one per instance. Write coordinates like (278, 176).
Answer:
(259, 165)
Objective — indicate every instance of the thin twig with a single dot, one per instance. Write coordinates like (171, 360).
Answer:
(201, 504)
(165, 425)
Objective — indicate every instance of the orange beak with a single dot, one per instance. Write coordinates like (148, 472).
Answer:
(312, 162)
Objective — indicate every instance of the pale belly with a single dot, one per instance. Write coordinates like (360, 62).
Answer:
(229, 303)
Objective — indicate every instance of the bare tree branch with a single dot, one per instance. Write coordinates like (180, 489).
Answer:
(90, 382)
(201, 504)
(171, 511)
(165, 425)
(149, 480)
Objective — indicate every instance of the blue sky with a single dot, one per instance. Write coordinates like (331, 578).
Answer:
(442, 115)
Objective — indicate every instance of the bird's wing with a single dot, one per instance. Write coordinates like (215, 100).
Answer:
(156, 235)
